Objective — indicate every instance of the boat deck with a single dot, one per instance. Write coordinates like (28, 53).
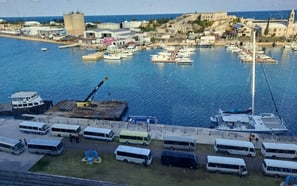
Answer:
(273, 123)
(109, 110)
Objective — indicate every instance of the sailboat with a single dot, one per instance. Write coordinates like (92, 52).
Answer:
(246, 120)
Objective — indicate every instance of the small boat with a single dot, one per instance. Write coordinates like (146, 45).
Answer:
(111, 56)
(141, 119)
(43, 49)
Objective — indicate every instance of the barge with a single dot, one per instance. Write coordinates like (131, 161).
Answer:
(103, 110)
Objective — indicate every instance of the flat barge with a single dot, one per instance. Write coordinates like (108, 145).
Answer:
(107, 110)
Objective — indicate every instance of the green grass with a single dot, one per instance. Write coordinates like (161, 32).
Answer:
(111, 170)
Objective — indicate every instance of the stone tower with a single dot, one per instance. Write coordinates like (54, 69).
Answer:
(74, 23)
(290, 24)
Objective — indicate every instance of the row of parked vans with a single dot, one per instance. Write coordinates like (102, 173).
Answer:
(179, 158)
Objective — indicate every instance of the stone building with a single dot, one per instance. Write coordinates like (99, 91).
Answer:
(279, 28)
(74, 23)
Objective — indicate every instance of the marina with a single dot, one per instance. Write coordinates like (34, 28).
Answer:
(178, 94)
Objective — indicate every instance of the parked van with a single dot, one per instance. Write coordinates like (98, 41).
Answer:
(178, 158)
(179, 142)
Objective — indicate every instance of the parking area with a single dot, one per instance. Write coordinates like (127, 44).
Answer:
(24, 161)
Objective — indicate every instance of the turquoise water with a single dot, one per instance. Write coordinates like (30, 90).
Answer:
(175, 94)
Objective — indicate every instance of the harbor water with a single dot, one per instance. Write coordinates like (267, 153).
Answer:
(184, 95)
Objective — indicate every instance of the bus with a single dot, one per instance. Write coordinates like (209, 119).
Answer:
(34, 127)
(279, 167)
(65, 130)
(279, 150)
(179, 142)
(179, 158)
(45, 146)
(99, 133)
(11, 145)
(235, 147)
(133, 154)
(226, 165)
(135, 137)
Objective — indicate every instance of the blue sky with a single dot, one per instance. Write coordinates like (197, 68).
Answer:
(25, 8)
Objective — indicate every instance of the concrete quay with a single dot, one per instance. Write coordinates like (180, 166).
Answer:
(157, 131)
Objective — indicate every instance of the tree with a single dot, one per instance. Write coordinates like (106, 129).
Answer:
(266, 31)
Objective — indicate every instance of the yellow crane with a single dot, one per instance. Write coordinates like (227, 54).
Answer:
(89, 98)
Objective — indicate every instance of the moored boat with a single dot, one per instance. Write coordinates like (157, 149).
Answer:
(247, 121)
(29, 103)
(141, 119)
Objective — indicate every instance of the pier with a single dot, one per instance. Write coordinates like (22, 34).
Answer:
(93, 56)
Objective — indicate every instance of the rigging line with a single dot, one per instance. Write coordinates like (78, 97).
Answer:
(268, 85)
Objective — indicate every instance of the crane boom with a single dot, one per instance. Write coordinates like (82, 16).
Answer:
(87, 101)
(95, 89)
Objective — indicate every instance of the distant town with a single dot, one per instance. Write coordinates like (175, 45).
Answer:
(195, 29)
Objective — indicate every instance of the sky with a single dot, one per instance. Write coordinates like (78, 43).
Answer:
(28, 8)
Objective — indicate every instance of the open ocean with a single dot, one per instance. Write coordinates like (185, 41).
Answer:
(175, 94)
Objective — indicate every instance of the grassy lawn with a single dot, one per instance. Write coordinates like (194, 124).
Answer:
(111, 170)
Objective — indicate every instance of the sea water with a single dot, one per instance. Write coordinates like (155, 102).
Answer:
(176, 94)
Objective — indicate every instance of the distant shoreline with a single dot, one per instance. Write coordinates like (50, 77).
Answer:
(217, 43)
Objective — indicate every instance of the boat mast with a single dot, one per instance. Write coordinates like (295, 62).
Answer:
(253, 71)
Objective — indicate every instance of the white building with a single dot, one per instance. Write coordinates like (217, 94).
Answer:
(42, 31)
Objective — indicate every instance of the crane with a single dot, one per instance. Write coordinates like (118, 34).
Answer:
(87, 101)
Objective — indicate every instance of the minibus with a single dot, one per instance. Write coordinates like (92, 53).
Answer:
(237, 147)
(45, 146)
(133, 154)
(279, 150)
(33, 127)
(11, 145)
(279, 167)
(135, 137)
(98, 133)
(65, 130)
(226, 165)
(179, 158)
(179, 142)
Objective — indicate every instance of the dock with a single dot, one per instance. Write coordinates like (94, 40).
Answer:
(109, 110)
(93, 57)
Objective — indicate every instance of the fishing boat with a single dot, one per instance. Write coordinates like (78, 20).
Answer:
(247, 121)
(29, 103)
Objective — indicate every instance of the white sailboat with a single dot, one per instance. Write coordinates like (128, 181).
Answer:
(243, 121)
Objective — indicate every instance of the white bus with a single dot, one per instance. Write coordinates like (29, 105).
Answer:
(11, 145)
(133, 154)
(33, 127)
(279, 167)
(179, 142)
(279, 150)
(135, 137)
(99, 133)
(226, 165)
(45, 146)
(235, 147)
(65, 130)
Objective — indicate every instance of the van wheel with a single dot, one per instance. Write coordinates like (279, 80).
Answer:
(249, 155)
(144, 144)
(59, 135)
(190, 149)
(127, 143)
(125, 160)
(171, 148)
